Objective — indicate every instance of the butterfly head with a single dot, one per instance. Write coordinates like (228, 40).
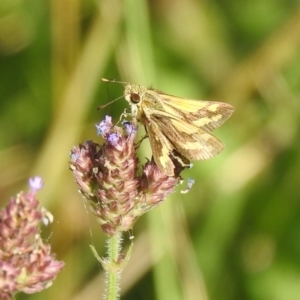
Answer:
(133, 95)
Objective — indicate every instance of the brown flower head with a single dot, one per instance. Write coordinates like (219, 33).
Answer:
(107, 177)
(26, 263)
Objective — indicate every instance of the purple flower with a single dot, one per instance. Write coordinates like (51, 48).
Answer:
(104, 126)
(189, 186)
(113, 139)
(35, 183)
(129, 127)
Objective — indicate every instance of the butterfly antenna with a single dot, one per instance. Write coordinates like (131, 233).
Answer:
(103, 106)
(113, 80)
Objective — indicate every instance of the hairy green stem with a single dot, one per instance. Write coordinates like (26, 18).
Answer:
(112, 268)
(113, 265)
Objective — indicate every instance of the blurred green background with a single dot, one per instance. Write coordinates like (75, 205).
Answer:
(235, 235)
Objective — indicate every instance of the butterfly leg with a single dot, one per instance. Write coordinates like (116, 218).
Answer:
(124, 115)
(140, 141)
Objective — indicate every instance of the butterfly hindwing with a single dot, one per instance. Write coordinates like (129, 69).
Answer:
(161, 148)
(190, 141)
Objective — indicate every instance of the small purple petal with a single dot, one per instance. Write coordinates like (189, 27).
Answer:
(189, 186)
(108, 119)
(36, 183)
(130, 129)
(74, 156)
(113, 139)
(104, 126)
(191, 181)
(47, 217)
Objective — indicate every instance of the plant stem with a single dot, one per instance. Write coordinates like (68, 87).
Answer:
(113, 269)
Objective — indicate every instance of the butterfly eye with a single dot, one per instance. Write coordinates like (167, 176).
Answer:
(135, 98)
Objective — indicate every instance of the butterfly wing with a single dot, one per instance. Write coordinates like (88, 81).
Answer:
(179, 129)
(161, 147)
(190, 141)
(207, 115)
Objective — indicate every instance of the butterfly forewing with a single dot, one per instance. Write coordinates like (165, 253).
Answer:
(205, 114)
(190, 141)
